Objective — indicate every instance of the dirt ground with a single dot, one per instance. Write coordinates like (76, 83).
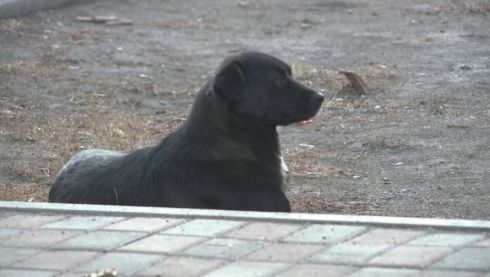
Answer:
(418, 145)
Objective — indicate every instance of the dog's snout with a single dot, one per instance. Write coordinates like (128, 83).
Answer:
(318, 97)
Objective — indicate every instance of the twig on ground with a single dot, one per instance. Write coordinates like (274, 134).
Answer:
(107, 20)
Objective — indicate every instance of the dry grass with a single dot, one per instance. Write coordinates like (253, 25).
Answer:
(314, 204)
(39, 69)
(38, 145)
(28, 193)
(482, 7)
(476, 6)
(307, 162)
(11, 25)
(306, 168)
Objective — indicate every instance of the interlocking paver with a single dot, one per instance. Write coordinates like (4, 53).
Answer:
(263, 231)
(326, 233)
(446, 273)
(284, 252)
(314, 270)
(125, 263)
(24, 221)
(204, 227)
(144, 224)
(39, 238)
(470, 258)
(181, 266)
(83, 222)
(26, 273)
(381, 272)
(447, 239)
(224, 248)
(162, 244)
(7, 233)
(411, 256)
(352, 254)
(386, 236)
(248, 269)
(483, 243)
(100, 240)
(65, 246)
(55, 260)
(11, 255)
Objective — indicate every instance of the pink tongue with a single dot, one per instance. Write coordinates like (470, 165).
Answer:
(304, 122)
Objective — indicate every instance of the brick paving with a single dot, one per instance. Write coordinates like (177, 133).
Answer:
(69, 243)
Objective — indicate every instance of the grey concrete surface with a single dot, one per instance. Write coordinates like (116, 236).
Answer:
(42, 239)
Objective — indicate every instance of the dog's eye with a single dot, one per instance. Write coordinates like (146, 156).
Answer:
(279, 81)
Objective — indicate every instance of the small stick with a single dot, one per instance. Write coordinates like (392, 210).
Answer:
(107, 20)
(117, 198)
(332, 96)
(96, 19)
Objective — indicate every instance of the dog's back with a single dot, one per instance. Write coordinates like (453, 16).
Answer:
(97, 167)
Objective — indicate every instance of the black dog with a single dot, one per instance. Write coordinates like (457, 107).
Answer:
(224, 156)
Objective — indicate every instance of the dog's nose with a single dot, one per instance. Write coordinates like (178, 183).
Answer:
(318, 97)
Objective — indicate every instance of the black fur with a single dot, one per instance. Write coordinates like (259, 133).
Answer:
(224, 156)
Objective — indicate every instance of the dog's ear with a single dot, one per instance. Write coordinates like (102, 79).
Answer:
(230, 81)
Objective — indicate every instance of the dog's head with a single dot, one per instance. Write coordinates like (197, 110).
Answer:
(261, 87)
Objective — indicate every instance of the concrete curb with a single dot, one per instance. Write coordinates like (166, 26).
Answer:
(13, 8)
(101, 210)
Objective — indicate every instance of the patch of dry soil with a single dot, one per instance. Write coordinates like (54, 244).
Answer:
(417, 145)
